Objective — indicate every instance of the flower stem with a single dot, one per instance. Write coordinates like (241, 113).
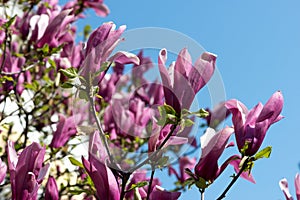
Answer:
(150, 183)
(102, 134)
(157, 151)
(202, 193)
(125, 179)
(223, 195)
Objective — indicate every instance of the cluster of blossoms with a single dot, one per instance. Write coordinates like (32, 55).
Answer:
(129, 121)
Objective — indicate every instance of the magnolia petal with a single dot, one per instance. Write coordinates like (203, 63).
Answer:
(174, 140)
(297, 186)
(253, 114)
(159, 193)
(162, 58)
(3, 170)
(214, 145)
(12, 156)
(283, 184)
(202, 71)
(44, 170)
(53, 29)
(245, 175)
(272, 108)
(124, 57)
(51, 192)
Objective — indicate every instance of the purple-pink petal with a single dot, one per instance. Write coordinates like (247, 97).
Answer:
(103, 178)
(235, 162)
(272, 108)
(51, 192)
(297, 186)
(283, 184)
(3, 170)
(159, 193)
(212, 145)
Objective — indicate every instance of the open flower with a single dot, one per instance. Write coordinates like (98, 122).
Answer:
(26, 170)
(213, 144)
(183, 80)
(250, 127)
(50, 32)
(283, 183)
(100, 45)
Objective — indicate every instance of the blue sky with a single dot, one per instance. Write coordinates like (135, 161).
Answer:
(258, 48)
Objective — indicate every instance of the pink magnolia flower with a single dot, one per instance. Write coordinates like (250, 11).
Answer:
(127, 117)
(51, 31)
(66, 128)
(159, 193)
(184, 162)
(183, 80)
(3, 169)
(51, 192)
(283, 183)
(105, 182)
(13, 64)
(250, 127)
(26, 170)
(212, 145)
(100, 45)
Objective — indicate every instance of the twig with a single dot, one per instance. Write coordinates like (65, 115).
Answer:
(150, 183)
(223, 195)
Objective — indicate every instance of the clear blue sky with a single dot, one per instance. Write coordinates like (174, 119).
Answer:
(258, 48)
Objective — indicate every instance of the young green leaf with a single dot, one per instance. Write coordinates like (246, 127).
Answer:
(70, 72)
(264, 153)
(75, 162)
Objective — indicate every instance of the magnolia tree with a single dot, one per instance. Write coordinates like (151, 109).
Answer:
(57, 94)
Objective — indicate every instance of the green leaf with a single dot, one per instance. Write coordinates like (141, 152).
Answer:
(34, 86)
(6, 78)
(245, 147)
(70, 72)
(169, 109)
(86, 31)
(138, 185)
(201, 183)
(52, 63)
(83, 95)
(9, 22)
(45, 49)
(67, 85)
(75, 162)
(202, 113)
(103, 68)
(189, 182)
(265, 153)
(77, 191)
(188, 122)
(167, 115)
(57, 49)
